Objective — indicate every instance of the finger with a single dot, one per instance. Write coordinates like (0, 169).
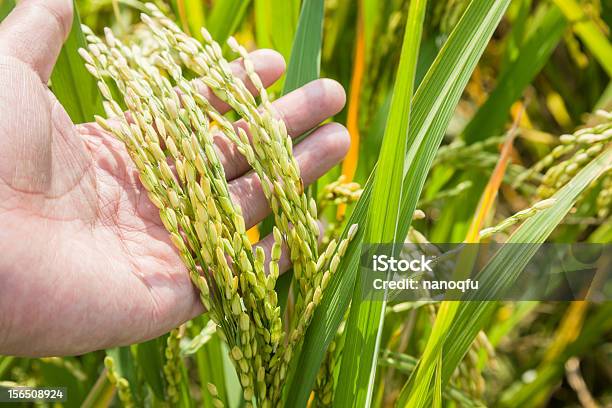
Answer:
(268, 64)
(315, 156)
(34, 33)
(301, 110)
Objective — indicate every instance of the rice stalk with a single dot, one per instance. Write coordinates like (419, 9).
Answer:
(516, 218)
(567, 159)
(169, 136)
(323, 390)
(604, 199)
(123, 386)
(172, 370)
(337, 194)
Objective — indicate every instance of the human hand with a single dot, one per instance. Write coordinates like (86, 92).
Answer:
(85, 262)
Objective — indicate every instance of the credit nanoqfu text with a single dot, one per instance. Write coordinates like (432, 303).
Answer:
(422, 269)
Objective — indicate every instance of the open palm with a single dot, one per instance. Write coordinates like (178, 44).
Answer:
(85, 262)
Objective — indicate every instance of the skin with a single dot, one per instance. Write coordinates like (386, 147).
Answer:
(85, 262)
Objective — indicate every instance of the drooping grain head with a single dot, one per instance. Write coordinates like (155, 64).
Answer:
(169, 136)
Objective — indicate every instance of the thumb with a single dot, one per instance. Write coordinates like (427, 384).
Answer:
(34, 33)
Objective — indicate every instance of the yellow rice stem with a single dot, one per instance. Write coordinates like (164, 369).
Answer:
(490, 193)
(349, 165)
(568, 330)
(180, 4)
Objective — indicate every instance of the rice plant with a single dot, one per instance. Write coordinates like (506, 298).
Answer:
(482, 121)
(238, 292)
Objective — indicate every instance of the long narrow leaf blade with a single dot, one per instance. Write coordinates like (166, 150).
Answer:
(503, 270)
(588, 31)
(194, 14)
(432, 108)
(73, 86)
(275, 26)
(548, 376)
(387, 190)
(225, 18)
(429, 365)
(5, 8)
(149, 358)
(492, 115)
(365, 319)
(305, 62)
(101, 394)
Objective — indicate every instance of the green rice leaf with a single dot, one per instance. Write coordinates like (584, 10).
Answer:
(366, 318)
(406, 364)
(432, 107)
(73, 86)
(334, 32)
(429, 367)
(225, 17)
(194, 13)
(101, 394)
(536, 392)
(5, 8)
(125, 366)
(546, 32)
(5, 364)
(211, 369)
(275, 24)
(372, 14)
(515, 38)
(384, 210)
(469, 317)
(305, 62)
(437, 390)
(67, 373)
(235, 398)
(588, 32)
(149, 358)
(185, 399)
